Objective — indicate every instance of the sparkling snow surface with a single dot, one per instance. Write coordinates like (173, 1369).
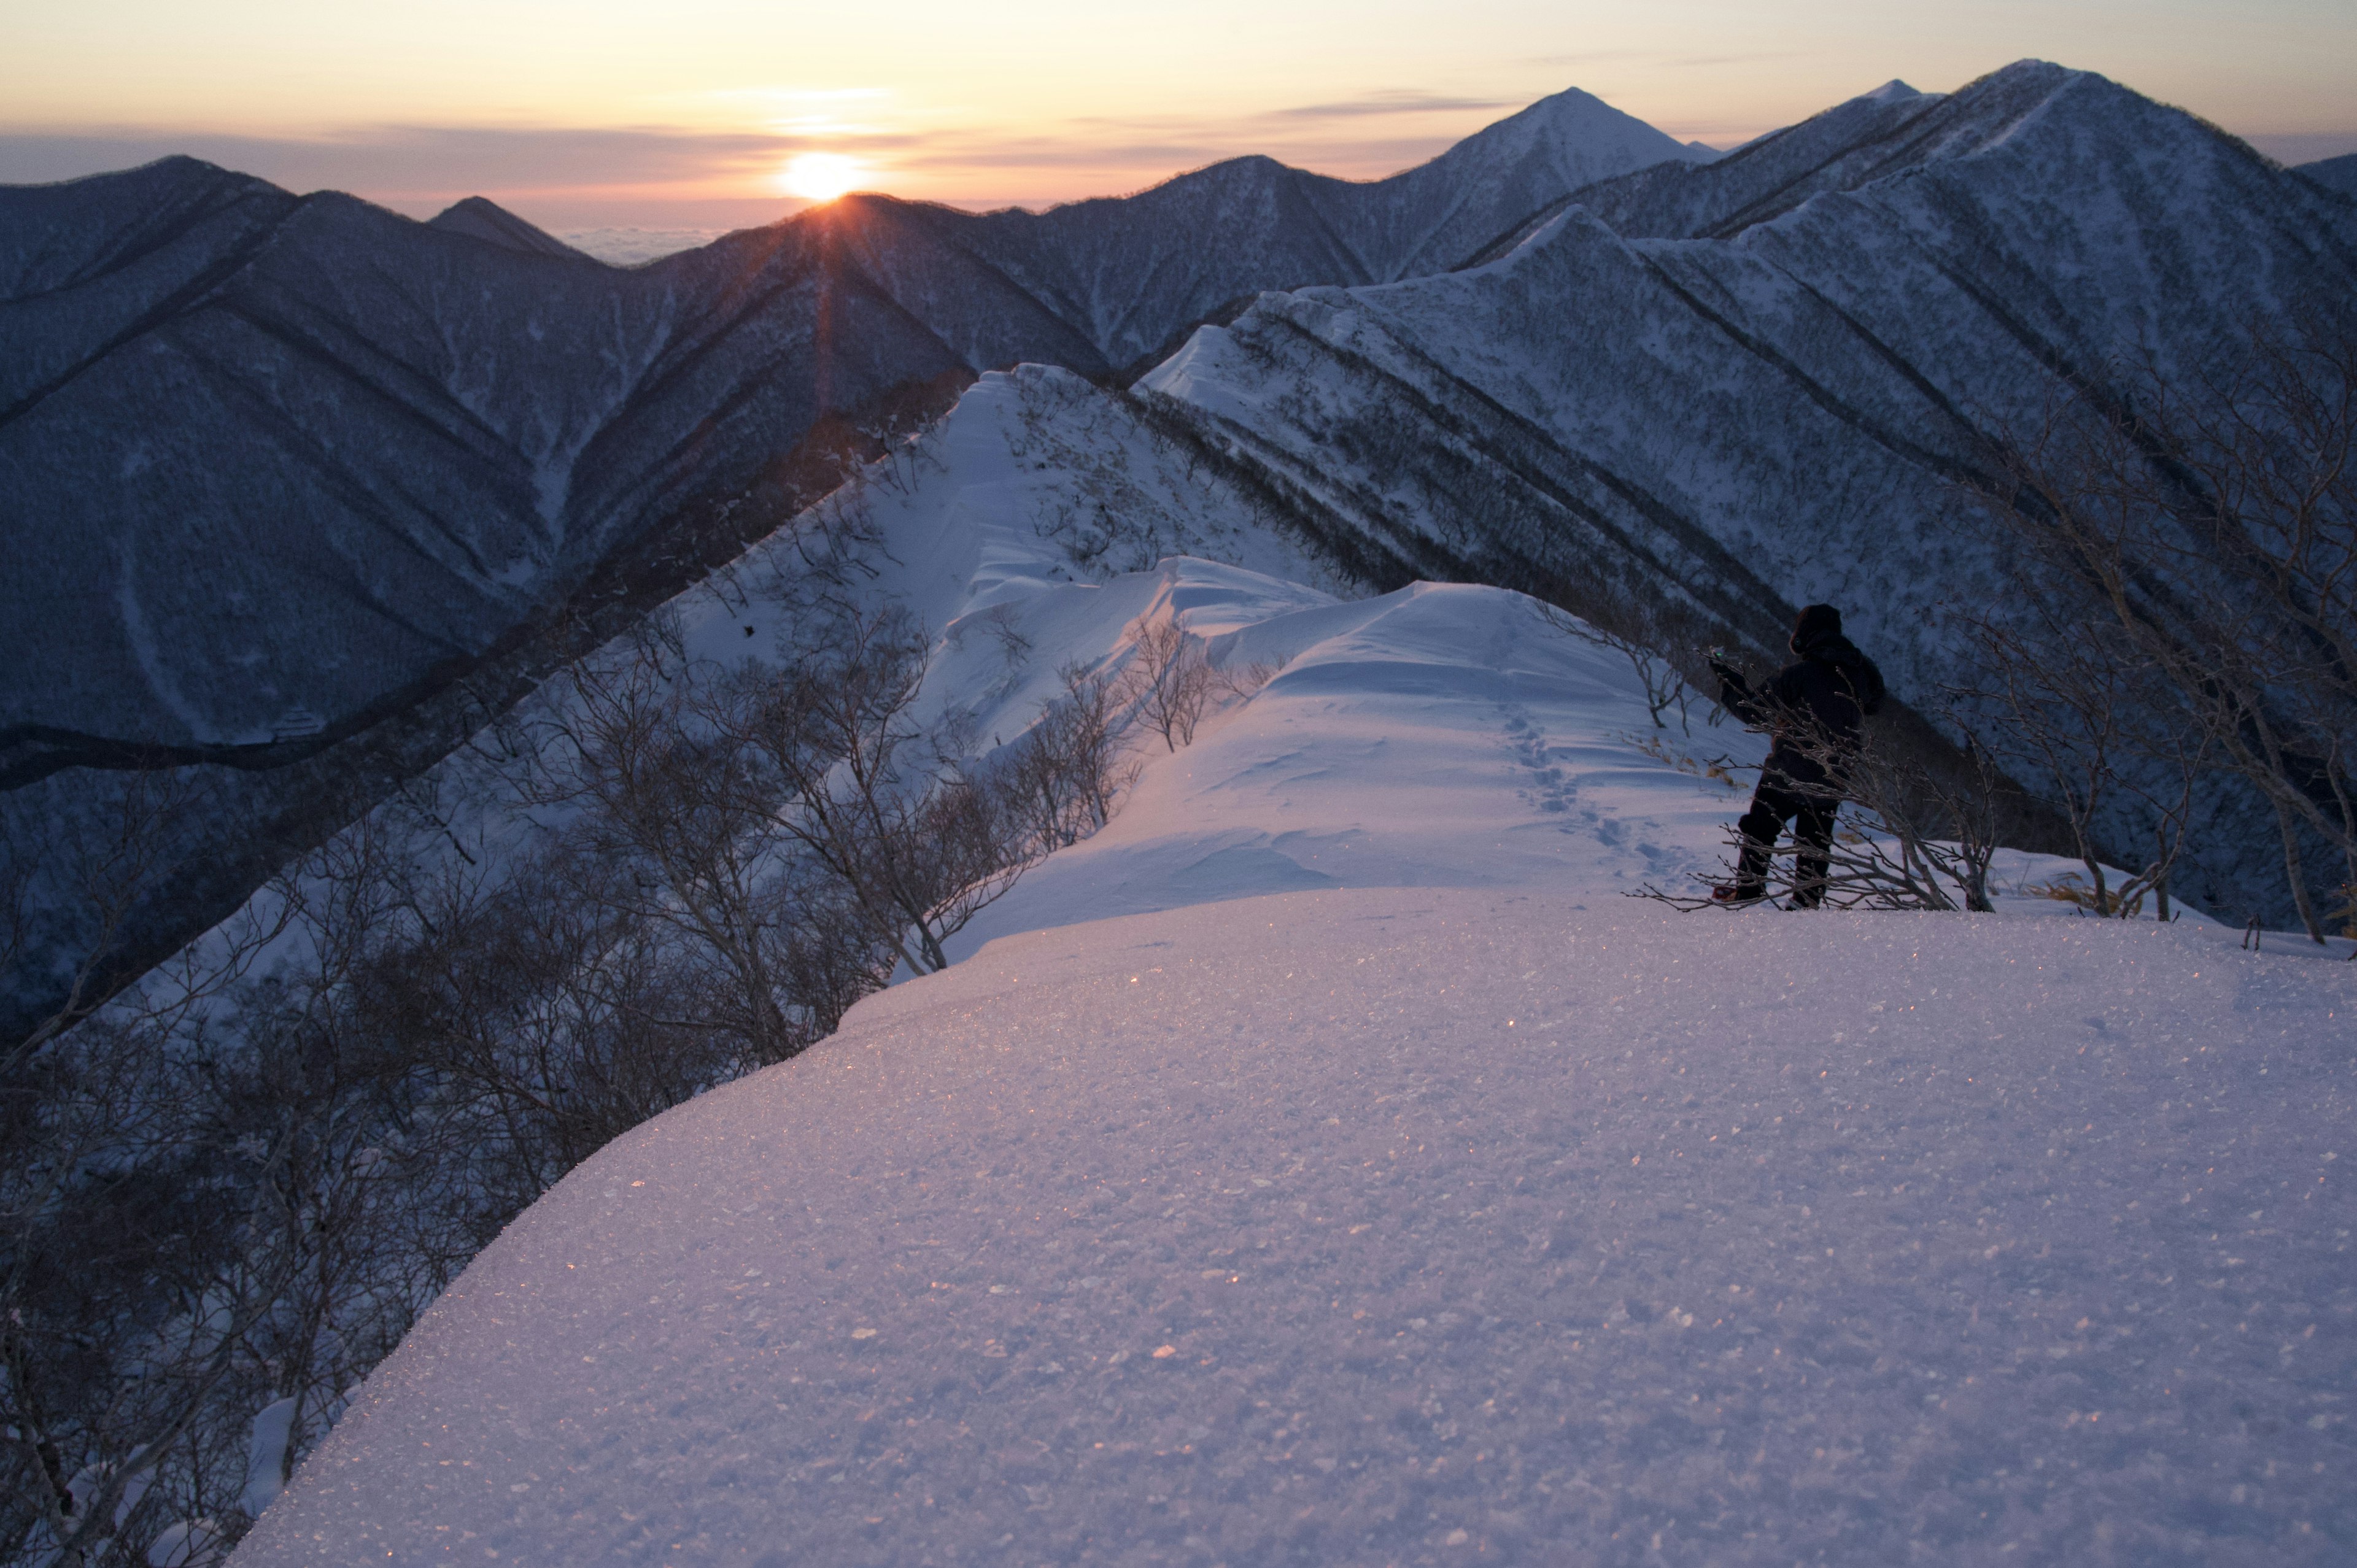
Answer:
(1428, 1226)
(1323, 1164)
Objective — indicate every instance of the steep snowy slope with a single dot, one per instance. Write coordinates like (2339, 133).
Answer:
(1828, 151)
(1743, 422)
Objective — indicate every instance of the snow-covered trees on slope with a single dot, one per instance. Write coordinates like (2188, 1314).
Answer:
(1735, 389)
(226, 1194)
(2187, 550)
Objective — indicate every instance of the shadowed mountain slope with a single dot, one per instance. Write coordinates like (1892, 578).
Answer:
(488, 221)
(286, 452)
(1762, 390)
(1252, 223)
(2339, 174)
(276, 470)
(267, 452)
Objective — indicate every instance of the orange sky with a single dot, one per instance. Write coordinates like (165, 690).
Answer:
(596, 111)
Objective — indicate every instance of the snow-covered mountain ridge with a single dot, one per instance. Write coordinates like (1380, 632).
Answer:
(1329, 1111)
(294, 485)
(1356, 1225)
(1812, 345)
(286, 468)
(2041, 1168)
(1448, 735)
(433, 427)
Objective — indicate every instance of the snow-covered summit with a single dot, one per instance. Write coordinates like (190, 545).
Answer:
(1252, 223)
(482, 218)
(1566, 142)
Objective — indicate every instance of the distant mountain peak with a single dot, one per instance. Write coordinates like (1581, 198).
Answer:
(1890, 92)
(480, 218)
(1573, 122)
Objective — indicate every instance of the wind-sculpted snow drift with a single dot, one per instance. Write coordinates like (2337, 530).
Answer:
(1324, 1163)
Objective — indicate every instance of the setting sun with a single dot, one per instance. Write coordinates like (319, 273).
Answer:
(822, 177)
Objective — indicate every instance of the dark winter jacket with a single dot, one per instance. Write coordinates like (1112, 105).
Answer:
(1816, 708)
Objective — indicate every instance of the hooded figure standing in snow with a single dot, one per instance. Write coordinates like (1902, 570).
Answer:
(1816, 708)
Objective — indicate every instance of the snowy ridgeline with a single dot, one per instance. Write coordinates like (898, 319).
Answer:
(1436, 1203)
(1442, 734)
(1428, 1226)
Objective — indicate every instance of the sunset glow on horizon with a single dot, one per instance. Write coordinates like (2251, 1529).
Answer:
(726, 112)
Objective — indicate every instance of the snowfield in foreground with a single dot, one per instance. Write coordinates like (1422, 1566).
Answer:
(1434, 1225)
(1324, 1165)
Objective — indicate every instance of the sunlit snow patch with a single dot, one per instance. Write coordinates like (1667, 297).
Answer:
(1417, 1225)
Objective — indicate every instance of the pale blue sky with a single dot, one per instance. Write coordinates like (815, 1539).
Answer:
(603, 110)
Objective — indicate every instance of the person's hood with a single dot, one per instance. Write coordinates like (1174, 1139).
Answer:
(1829, 647)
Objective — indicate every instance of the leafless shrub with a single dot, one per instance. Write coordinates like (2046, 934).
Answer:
(1067, 769)
(226, 1195)
(1720, 770)
(128, 1286)
(1663, 684)
(106, 869)
(2202, 527)
(1912, 835)
(831, 752)
(2345, 912)
(1013, 648)
(671, 817)
(1243, 679)
(1168, 682)
(1919, 838)
(2080, 720)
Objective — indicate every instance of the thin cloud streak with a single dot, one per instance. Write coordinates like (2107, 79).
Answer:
(1661, 58)
(1401, 103)
(412, 157)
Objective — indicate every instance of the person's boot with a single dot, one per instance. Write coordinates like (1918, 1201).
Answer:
(1735, 895)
